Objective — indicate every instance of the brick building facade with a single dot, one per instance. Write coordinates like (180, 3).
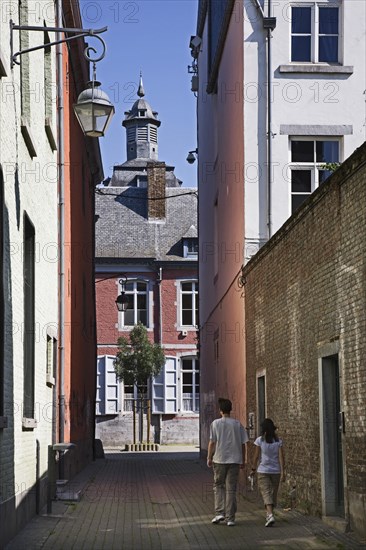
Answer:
(305, 344)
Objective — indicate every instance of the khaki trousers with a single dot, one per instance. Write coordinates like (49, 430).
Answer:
(225, 482)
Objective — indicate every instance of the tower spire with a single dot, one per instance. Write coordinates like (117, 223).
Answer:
(141, 91)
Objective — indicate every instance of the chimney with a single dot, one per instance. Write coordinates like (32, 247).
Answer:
(156, 189)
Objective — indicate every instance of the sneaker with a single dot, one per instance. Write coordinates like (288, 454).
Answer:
(269, 520)
(217, 519)
(230, 523)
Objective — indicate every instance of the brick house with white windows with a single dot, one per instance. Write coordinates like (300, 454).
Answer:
(146, 240)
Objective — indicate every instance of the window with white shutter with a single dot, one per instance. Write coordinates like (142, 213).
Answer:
(164, 388)
(107, 398)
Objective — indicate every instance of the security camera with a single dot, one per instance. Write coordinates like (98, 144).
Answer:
(191, 158)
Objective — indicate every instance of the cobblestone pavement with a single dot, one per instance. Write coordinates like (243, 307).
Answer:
(164, 501)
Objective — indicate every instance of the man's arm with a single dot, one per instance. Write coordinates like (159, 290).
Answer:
(210, 452)
(244, 454)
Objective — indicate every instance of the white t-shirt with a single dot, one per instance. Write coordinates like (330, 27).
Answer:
(269, 461)
(229, 436)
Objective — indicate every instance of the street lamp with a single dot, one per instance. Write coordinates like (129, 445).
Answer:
(93, 109)
(122, 300)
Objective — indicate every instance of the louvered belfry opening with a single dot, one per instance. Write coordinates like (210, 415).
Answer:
(156, 190)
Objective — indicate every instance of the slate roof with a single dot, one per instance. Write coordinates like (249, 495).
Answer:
(124, 232)
(124, 174)
(142, 104)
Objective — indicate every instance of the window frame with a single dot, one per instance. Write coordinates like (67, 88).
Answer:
(195, 298)
(29, 319)
(135, 293)
(315, 34)
(187, 242)
(313, 166)
(195, 395)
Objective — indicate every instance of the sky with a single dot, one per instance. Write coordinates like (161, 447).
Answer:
(151, 36)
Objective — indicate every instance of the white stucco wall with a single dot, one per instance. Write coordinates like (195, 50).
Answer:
(298, 99)
(30, 186)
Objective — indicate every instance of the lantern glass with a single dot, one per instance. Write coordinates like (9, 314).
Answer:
(94, 112)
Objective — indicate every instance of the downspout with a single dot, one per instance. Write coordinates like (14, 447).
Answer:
(61, 216)
(160, 277)
(269, 127)
(160, 307)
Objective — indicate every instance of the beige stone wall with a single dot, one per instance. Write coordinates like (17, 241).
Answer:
(305, 292)
(30, 187)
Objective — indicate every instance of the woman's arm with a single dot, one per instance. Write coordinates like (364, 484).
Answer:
(255, 458)
(282, 463)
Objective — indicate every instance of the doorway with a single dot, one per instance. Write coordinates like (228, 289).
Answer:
(331, 427)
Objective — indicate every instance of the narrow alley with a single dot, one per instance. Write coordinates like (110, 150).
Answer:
(164, 500)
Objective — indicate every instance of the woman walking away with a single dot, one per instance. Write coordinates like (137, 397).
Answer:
(271, 467)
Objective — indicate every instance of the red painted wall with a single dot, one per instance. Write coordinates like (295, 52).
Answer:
(79, 299)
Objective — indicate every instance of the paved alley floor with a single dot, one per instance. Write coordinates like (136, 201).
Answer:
(164, 500)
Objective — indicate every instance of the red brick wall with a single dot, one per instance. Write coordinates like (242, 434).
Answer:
(304, 290)
(107, 315)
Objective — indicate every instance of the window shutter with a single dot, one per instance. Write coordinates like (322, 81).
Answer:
(164, 388)
(158, 392)
(107, 387)
(99, 400)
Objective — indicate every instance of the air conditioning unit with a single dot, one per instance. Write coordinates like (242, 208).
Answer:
(184, 332)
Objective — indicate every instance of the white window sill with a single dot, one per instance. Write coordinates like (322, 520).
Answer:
(29, 423)
(50, 134)
(129, 328)
(315, 68)
(28, 138)
(50, 380)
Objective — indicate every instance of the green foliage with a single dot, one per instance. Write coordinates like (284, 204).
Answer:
(331, 166)
(137, 358)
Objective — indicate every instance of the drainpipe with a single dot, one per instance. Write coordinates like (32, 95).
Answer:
(269, 127)
(160, 277)
(160, 307)
(61, 212)
(269, 23)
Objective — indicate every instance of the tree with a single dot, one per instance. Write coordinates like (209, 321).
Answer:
(137, 358)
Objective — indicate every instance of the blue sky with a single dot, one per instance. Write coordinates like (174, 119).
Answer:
(151, 36)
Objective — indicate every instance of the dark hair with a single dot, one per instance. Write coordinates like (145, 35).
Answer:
(225, 405)
(268, 430)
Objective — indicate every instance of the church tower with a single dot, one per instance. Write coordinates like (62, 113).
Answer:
(141, 125)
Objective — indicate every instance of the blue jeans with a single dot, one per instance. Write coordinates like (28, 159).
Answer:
(225, 482)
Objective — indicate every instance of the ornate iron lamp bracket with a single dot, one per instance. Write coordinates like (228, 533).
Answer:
(78, 33)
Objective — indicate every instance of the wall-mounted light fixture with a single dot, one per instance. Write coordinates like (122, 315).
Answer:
(191, 157)
(93, 109)
(122, 300)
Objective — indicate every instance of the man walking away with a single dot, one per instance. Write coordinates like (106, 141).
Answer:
(226, 454)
